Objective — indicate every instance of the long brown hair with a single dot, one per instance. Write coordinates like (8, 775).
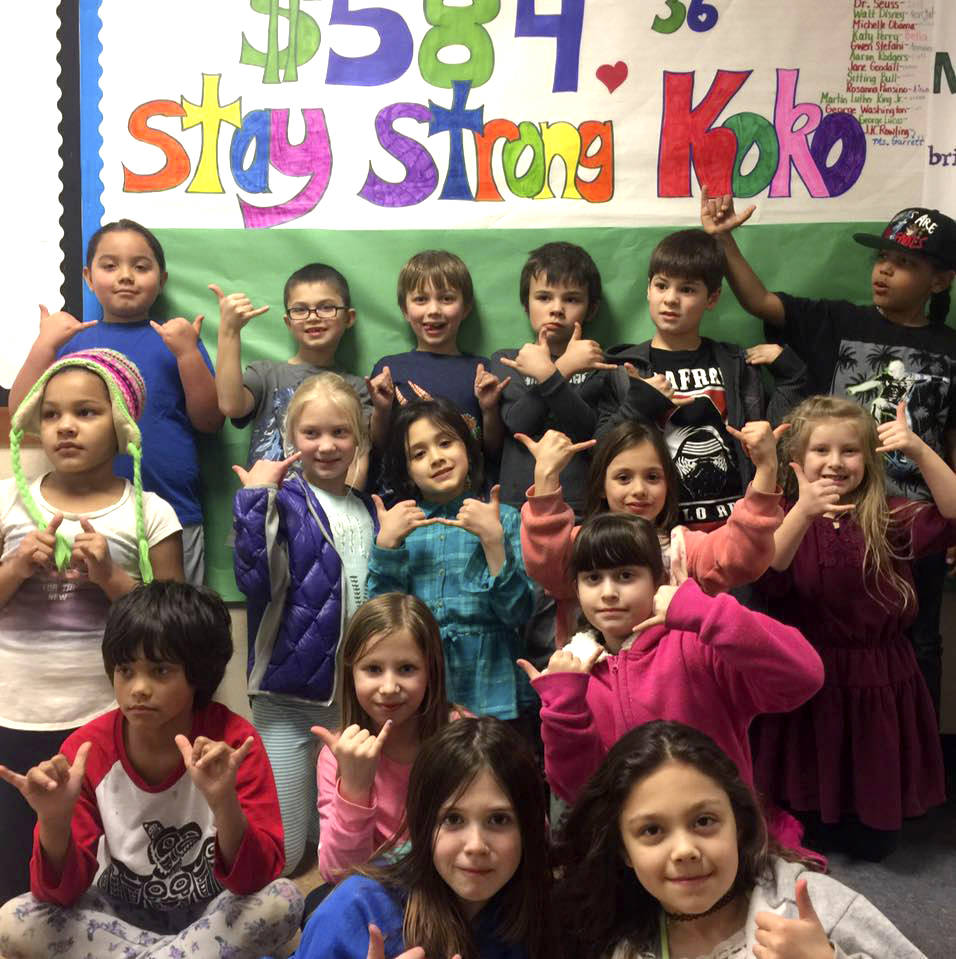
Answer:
(623, 437)
(599, 897)
(872, 513)
(372, 622)
(446, 765)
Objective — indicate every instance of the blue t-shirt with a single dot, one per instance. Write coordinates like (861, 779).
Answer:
(170, 460)
(452, 377)
(339, 927)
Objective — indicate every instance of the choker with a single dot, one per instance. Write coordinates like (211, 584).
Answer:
(727, 897)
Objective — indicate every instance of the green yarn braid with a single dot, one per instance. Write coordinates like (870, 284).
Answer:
(145, 566)
(62, 551)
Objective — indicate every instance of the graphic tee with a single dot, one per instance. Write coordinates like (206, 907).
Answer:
(696, 435)
(855, 352)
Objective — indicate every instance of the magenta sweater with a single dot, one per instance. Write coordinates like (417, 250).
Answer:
(713, 664)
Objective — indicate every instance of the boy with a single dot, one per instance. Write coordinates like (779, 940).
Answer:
(126, 271)
(694, 387)
(318, 311)
(562, 377)
(895, 349)
(435, 294)
(158, 823)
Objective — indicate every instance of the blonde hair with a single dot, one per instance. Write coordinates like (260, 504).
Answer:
(336, 390)
(872, 513)
(373, 621)
(437, 269)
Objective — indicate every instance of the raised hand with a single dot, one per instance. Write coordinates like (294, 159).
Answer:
(480, 518)
(818, 498)
(381, 390)
(52, 787)
(533, 359)
(57, 329)
(266, 472)
(376, 946)
(212, 766)
(897, 435)
(35, 550)
(581, 355)
(488, 388)
(396, 523)
(717, 214)
(759, 441)
(763, 354)
(179, 335)
(553, 451)
(802, 938)
(235, 309)
(357, 753)
(91, 549)
(563, 661)
(420, 392)
(662, 601)
(660, 383)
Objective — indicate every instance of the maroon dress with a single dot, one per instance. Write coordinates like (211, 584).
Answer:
(868, 743)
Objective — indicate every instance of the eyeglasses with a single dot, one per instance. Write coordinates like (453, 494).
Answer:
(324, 311)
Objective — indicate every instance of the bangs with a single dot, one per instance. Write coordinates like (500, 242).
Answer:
(609, 540)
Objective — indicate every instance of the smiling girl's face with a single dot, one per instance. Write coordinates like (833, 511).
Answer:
(437, 460)
(635, 482)
(679, 835)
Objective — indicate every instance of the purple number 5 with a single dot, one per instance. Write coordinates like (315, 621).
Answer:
(565, 27)
(392, 58)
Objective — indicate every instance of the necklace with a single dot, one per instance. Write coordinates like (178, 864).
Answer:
(689, 916)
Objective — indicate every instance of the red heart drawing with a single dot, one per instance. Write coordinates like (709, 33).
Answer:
(612, 77)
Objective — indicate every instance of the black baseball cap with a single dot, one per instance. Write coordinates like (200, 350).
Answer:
(917, 230)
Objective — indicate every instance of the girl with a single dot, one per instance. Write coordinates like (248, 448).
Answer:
(476, 880)
(301, 556)
(867, 745)
(393, 698)
(461, 555)
(74, 540)
(707, 661)
(632, 472)
(126, 272)
(666, 857)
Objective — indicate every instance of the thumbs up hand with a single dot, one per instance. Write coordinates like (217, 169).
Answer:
(801, 938)
(580, 355)
(897, 435)
(482, 519)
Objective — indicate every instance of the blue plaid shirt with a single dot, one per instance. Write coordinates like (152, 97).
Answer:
(480, 615)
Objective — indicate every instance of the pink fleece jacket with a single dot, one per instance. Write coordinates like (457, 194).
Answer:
(734, 555)
(713, 664)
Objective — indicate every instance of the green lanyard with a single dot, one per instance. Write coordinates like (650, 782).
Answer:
(665, 946)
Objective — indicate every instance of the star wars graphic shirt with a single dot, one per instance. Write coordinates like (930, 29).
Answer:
(696, 435)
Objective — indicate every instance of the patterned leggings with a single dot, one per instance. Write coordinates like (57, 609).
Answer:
(231, 927)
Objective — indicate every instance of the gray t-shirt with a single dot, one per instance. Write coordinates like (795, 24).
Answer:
(272, 385)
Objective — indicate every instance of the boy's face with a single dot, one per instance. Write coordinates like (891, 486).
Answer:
(322, 331)
(434, 316)
(555, 308)
(902, 282)
(154, 696)
(677, 304)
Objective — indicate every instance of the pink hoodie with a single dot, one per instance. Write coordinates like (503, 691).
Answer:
(737, 553)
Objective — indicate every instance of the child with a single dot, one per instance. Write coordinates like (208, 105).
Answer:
(632, 473)
(393, 699)
(318, 311)
(896, 348)
(476, 880)
(157, 824)
(74, 540)
(697, 389)
(674, 653)
(458, 554)
(562, 376)
(435, 295)
(666, 855)
(866, 745)
(126, 270)
(301, 558)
